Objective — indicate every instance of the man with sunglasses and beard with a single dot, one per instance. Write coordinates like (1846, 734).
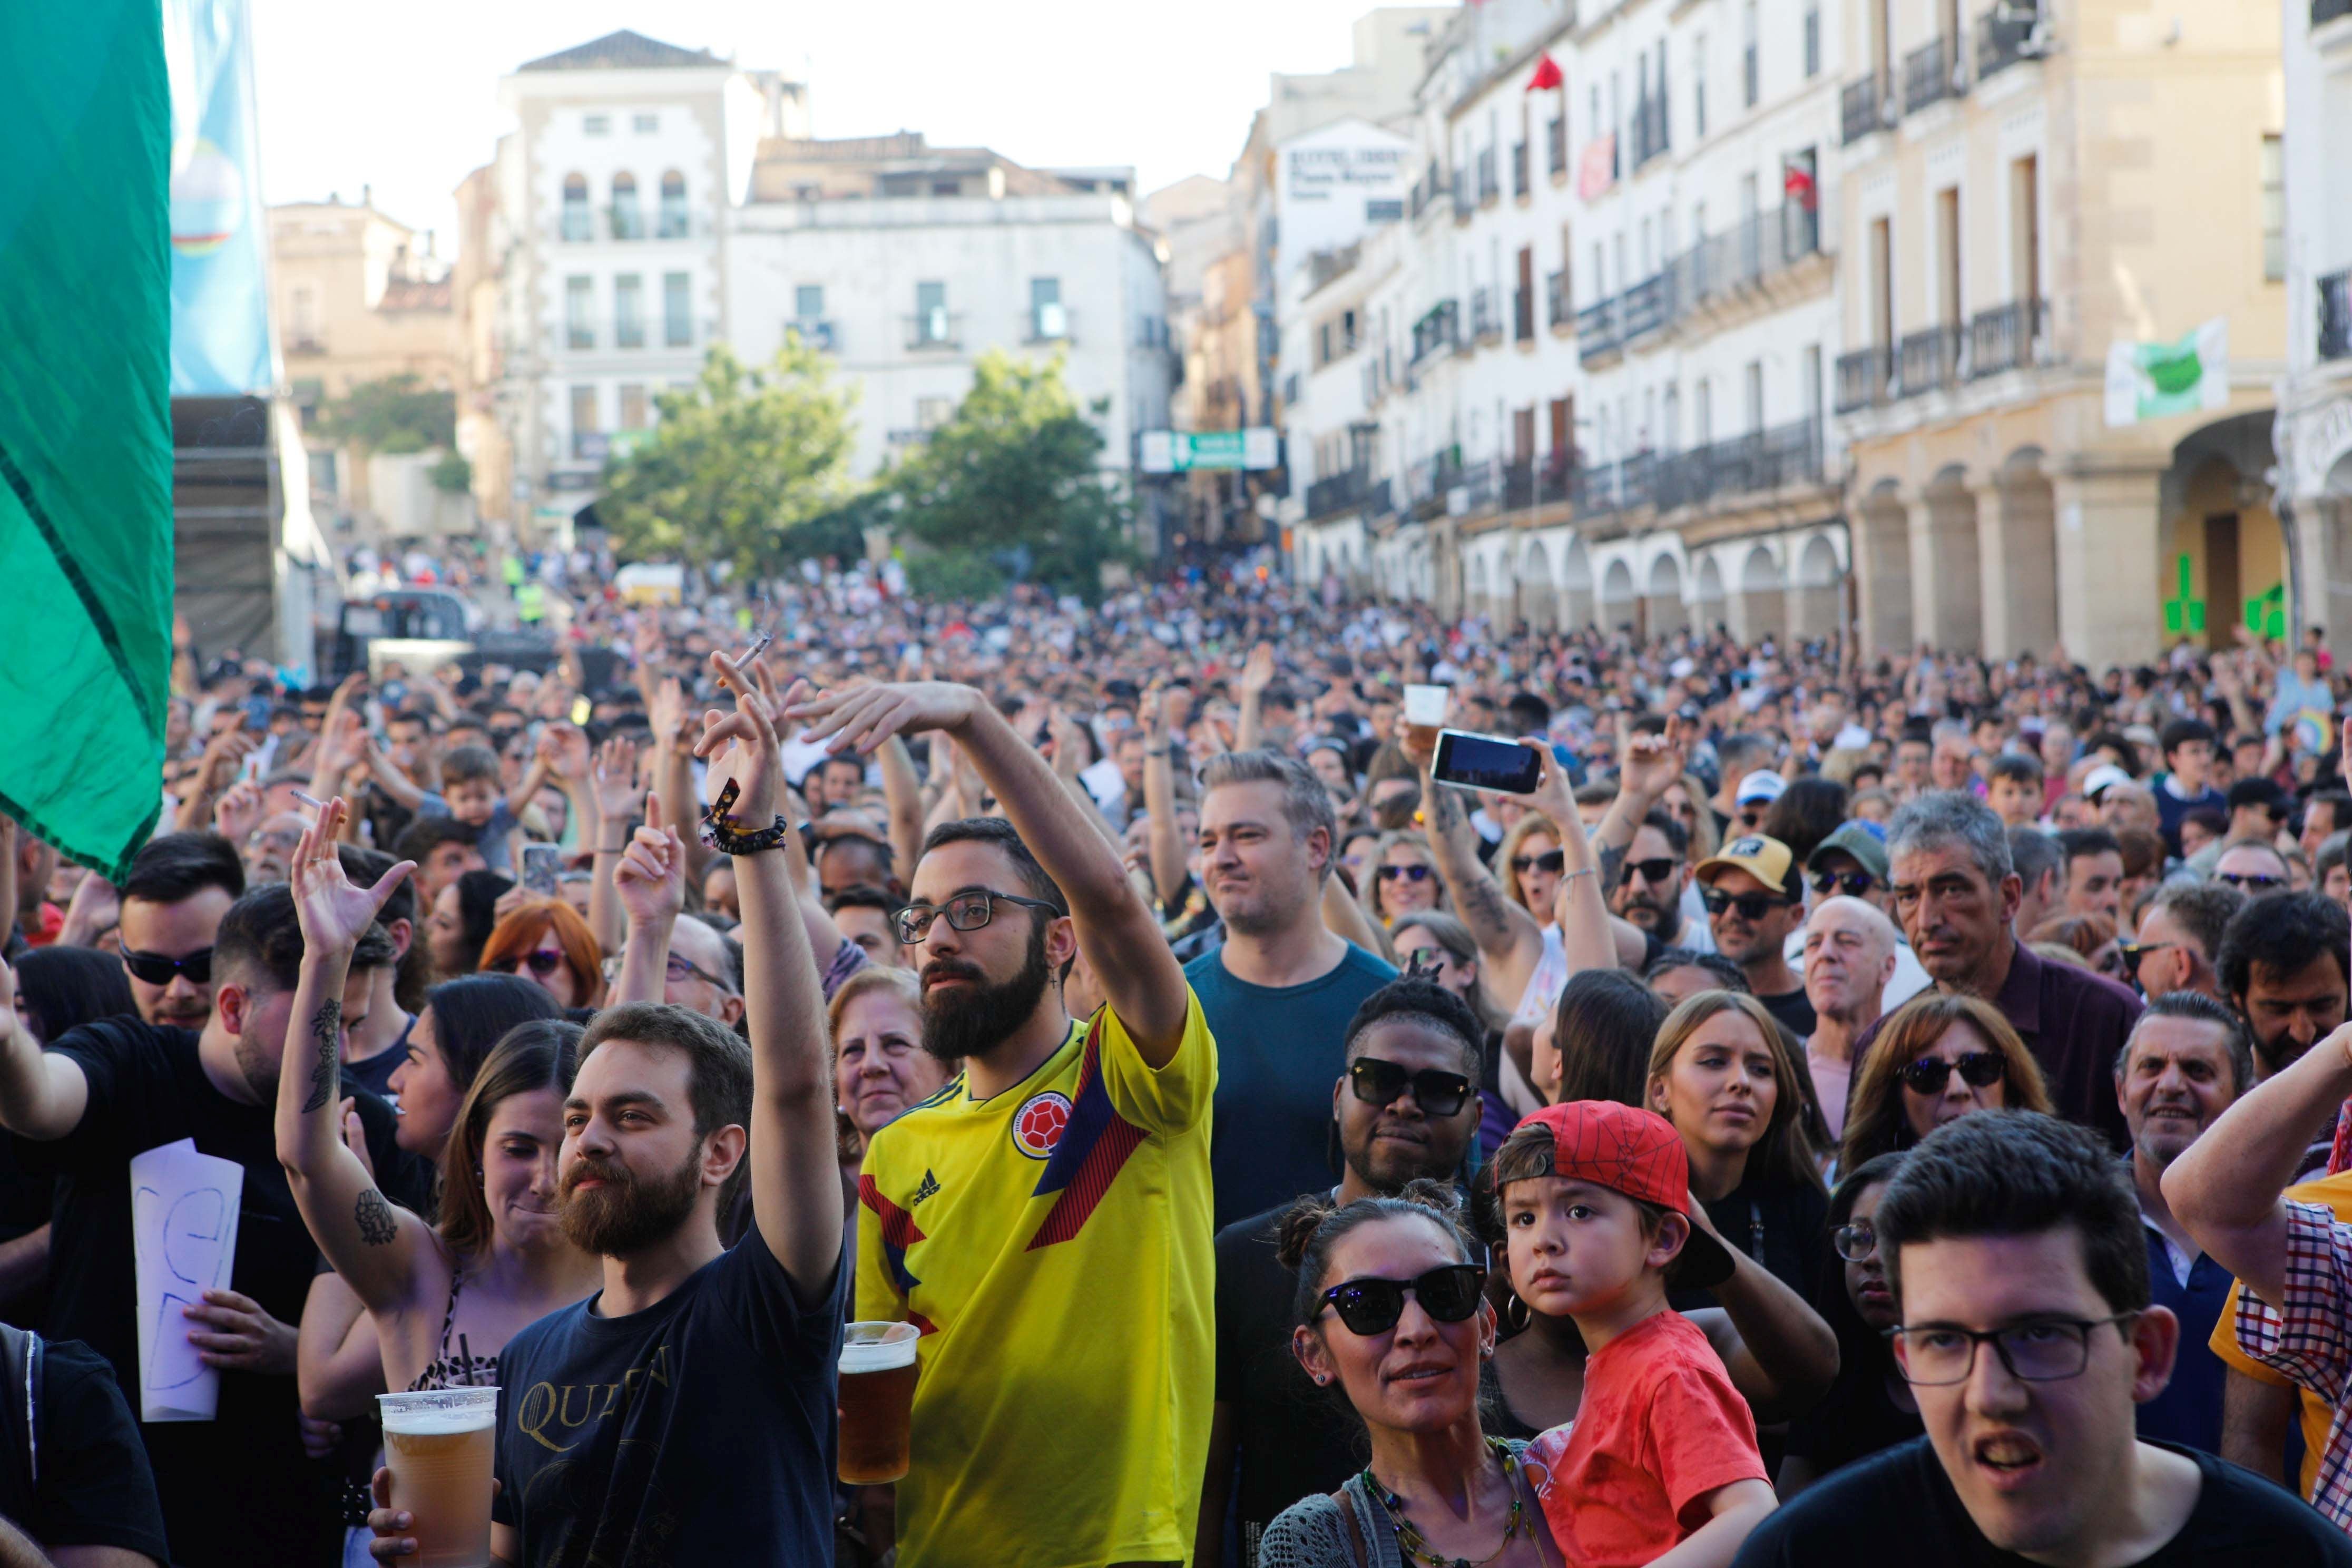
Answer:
(685, 1413)
(1753, 903)
(1045, 1218)
(1649, 891)
(180, 886)
(1406, 1107)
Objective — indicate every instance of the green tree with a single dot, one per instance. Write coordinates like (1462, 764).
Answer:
(452, 474)
(1012, 486)
(737, 466)
(395, 415)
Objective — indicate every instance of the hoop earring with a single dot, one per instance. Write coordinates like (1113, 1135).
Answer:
(1517, 1314)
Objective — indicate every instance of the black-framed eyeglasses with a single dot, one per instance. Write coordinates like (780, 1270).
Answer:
(541, 962)
(1371, 1306)
(1977, 1070)
(1852, 884)
(1856, 1241)
(158, 968)
(2132, 952)
(2050, 1349)
(965, 912)
(2250, 883)
(683, 969)
(1437, 1092)
(1651, 871)
(1751, 905)
(1551, 860)
(1410, 873)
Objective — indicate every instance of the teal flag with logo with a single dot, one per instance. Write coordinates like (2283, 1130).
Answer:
(85, 424)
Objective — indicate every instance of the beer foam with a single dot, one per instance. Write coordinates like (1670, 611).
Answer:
(439, 1423)
(858, 1358)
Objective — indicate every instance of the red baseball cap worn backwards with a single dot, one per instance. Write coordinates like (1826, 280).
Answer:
(1638, 1153)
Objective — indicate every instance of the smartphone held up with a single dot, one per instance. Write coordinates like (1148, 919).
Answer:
(1485, 762)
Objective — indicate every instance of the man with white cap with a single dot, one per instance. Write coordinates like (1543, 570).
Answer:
(1755, 796)
(1753, 902)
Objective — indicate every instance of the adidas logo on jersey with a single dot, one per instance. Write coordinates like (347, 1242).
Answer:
(930, 1188)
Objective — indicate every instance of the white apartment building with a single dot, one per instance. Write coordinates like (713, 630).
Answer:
(2314, 436)
(905, 263)
(614, 186)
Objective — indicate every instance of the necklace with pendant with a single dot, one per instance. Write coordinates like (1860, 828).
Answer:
(1415, 1546)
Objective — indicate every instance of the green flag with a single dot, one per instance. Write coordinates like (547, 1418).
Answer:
(85, 425)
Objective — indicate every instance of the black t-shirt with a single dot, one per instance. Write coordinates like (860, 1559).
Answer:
(238, 1489)
(1793, 1011)
(699, 1430)
(1782, 1225)
(376, 1071)
(1902, 1503)
(1291, 1438)
(1857, 1418)
(93, 1486)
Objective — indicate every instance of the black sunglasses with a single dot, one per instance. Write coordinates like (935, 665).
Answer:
(1852, 884)
(2132, 952)
(1550, 860)
(1653, 871)
(541, 963)
(1977, 1070)
(158, 968)
(1371, 1306)
(1751, 905)
(1377, 1082)
(1410, 873)
(2246, 881)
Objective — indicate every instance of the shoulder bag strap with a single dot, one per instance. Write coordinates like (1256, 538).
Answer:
(1355, 1531)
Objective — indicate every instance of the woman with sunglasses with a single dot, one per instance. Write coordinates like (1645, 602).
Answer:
(547, 942)
(1392, 1318)
(1530, 865)
(1404, 879)
(1937, 1059)
(1869, 1407)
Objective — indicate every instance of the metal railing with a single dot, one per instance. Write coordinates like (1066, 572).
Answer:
(1426, 189)
(1596, 330)
(1481, 483)
(1464, 202)
(1490, 185)
(2336, 312)
(640, 332)
(1486, 319)
(934, 329)
(1650, 130)
(1426, 481)
(1438, 330)
(1762, 460)
(1864, 107)
(1338, 492)
(2004, 31)
(1933, 72)
(1758, 246)
(1519, 485)
(1645, 308)
(1382, 502)
(1929, 358)
(1557, 311)
(2005, 337)
(1048, 324)
(1523, 315)
(1556, 138)
(1519, 186)
(1865, 378)
(1622, 486)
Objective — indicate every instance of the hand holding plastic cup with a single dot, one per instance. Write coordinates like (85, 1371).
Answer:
(438, 1445)
(1424, 713)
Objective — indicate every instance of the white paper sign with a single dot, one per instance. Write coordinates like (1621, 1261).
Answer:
(183, 1209)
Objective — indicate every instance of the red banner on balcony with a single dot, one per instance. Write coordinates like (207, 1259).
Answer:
(1798, 184)
(1548, 75)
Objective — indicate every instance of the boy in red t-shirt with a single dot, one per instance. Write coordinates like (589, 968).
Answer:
(1660, 1466)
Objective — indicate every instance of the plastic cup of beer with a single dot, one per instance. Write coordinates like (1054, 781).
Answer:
(438, 1446)
(1424, 712)
(877, 1401)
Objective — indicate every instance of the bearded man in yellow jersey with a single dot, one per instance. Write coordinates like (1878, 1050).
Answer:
(1044, 1219)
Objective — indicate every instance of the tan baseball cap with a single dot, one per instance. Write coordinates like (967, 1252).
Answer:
(1765, 859)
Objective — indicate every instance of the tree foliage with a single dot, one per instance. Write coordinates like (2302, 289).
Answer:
(1010, 487)
(738, 467)
(395, 415)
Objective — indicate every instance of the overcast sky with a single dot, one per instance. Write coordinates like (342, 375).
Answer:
(405, 98)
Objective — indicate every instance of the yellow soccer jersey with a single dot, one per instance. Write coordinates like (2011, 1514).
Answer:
(1054, 1243)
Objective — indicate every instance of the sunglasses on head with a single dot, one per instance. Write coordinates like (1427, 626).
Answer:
(2247, 882)
(1371, 1306)
(1651, 871)
(1410, 873)
(1977, 1070)
(1437, 1093)
(542, 962)
(1550, 860)
(1852, 884)
(158, 968)
(1751, 905)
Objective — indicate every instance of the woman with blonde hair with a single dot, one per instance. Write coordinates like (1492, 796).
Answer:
(1404, 879)
(1721, 1072)
(1530, 865)
(546, 942)
(1939, 1057)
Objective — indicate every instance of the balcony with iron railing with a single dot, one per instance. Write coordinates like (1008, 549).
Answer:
(1759, 462)
(1556, 145)
(1557, 311)
(1644, 309)
(1865, 379)
(939, 329)
(1465, 204)
(1519, 485)
(2005, 37)
(2335, 314)
(1597, 333)
(1757, 248)
(1490, 183)
(2008, 337)
(1480, 484)
(1626, 485)
(1865, 106)
(1047, 325)
(1929, 358)
(1649, 131)
(1381, 501)
(1521, 187)
(1427, 481)
(1933, 72)
(1439, 328)
(1523, 315)
(1485, 316)
(1338, 492)
(628, 332)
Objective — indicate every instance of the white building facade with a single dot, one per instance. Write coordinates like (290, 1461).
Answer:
(2313, 434)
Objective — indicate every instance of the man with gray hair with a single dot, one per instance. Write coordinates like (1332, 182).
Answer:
(1279, 994)
(2040, 868)
(2180, 935)
(1957, 894)
(1849, 959)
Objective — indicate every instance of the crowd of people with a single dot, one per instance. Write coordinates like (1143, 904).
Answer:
(1844, 1101)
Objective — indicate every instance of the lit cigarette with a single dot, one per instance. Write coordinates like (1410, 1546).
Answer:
(757, 648)
(312, 801)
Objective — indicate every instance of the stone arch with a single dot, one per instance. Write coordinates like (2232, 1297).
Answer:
(1884, 567)
(1575, 586)
(2021, 558)
(1668, 614)
(1815, 600)
(1948, 584)
(1708, 607)
(1539, 602)
(1763, 596)
(1619, 606)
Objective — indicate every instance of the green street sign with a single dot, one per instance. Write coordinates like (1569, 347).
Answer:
(1182, 452)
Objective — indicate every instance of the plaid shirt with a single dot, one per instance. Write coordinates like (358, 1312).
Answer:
(2311, 1341)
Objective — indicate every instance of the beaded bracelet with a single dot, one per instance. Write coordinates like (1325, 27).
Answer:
(718, 834)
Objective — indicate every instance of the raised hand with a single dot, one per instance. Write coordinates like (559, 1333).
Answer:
(343, 744)
(563, 747)
(1257, 670)
(650, 880)
(239, 812)
(616, 781)
(334, 914)
(863, 718)
(1650, 763)
(758, 764)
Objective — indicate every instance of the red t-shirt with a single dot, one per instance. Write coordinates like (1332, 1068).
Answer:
(1660, 1426)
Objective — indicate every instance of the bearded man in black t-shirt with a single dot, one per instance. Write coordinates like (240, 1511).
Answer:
(2014, 1245)
(238, 1489)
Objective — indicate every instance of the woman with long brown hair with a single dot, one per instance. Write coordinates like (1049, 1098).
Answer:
(1939, 1057)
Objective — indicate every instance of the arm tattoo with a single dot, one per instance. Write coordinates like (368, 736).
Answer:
(374, 1216)
(326, 1067)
